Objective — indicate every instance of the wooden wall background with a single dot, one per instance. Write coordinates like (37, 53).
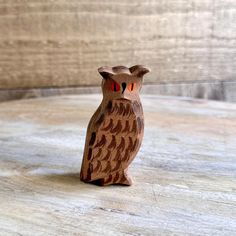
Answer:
(46, 43)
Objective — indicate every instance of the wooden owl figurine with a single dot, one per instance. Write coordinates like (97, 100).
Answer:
(115, 131)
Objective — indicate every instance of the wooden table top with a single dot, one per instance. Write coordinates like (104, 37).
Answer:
(185, 172)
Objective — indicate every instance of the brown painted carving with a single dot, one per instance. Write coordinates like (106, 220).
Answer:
(115, 131)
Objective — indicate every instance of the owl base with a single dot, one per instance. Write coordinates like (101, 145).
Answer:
(112, 179)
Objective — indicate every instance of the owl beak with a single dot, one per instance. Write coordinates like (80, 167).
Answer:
(123, 87)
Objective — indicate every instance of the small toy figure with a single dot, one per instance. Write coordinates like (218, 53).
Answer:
(115, 131)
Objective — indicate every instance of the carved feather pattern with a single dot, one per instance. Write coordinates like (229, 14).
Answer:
(114, 145)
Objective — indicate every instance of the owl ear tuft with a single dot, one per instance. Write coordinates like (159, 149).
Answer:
(139, 70)
(105, 72)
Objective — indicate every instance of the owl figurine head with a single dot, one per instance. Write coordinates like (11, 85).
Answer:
(121, 82)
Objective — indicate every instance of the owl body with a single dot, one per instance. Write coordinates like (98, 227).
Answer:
(115, 131)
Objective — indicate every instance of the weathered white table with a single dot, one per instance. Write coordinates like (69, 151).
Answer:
(185, 173)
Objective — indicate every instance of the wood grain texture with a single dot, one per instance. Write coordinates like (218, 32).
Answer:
(62, 43)
(185, 172)
(213, 90)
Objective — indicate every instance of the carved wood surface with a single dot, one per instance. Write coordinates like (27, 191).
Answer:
(184, 173)
(61, 43)
(115, 131)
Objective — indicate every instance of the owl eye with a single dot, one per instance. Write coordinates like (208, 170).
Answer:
(115, 86)
(132, 86)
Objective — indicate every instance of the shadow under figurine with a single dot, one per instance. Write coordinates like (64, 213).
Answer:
(115, 131)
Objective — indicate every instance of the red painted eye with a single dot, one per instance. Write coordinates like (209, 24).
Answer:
(132, 86)
(115, 86)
